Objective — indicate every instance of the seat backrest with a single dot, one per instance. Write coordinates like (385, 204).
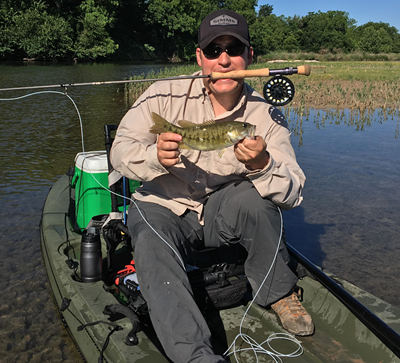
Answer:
(122, 186)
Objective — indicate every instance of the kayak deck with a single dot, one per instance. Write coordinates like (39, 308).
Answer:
(339, 335)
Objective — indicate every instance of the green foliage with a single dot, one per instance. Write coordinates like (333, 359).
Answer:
(387, 38)
(326, 30)
(40, 34)
(265, 10)
(93, 39)
(167, 29)
(37, 34)
(175, 23)
(6, 46)
(243, 7)
(375, 41)
(271, 33)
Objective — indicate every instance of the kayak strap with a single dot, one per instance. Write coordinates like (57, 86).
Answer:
(106, 342)
(131, 339)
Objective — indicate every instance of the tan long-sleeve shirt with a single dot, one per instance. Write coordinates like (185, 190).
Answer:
(188, 183)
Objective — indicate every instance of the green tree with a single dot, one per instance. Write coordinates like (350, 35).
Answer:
(93, 39)
(388, 35)
(6, 46)
(271, 33)
(265, 10)
(375, 41)
(247, 8)
(174, 24)
(34, 33)
(132, 32)
(330, 30)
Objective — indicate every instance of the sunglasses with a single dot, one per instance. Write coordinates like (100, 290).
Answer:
(213, 51)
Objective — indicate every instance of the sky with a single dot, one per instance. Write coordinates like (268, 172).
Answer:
(386, 11)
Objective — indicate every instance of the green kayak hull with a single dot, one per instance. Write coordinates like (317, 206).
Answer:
(339, 335)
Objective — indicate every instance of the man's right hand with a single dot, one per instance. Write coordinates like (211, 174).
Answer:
(168, 149)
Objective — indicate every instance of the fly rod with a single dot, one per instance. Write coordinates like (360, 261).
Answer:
(263, 72)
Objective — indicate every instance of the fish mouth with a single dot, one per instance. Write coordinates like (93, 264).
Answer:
(252, 133)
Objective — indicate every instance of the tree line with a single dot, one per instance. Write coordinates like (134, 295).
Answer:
(84, 30)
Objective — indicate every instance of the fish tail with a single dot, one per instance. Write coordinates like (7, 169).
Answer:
(160, 124)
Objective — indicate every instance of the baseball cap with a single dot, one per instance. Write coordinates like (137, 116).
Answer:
(223, 22)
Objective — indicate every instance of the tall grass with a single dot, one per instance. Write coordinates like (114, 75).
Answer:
(351, 93)
(134, 90)
(325, 56)
(353, 85)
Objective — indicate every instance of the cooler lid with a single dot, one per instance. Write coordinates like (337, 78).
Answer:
(92, 161)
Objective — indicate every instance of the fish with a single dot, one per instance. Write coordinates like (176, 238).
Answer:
(206, 136)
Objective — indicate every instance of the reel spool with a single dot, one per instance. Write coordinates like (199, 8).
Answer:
(279, 91)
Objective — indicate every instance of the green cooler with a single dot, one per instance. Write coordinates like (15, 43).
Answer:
(90, 180)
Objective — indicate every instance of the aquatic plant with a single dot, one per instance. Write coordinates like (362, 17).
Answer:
(343, 92)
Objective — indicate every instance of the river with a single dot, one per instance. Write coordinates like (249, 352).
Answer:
(348, 223)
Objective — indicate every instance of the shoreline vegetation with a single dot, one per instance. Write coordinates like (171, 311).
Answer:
(151, 30)
(344, 92)
(353, 85)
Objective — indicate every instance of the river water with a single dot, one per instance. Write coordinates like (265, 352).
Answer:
(348, 223)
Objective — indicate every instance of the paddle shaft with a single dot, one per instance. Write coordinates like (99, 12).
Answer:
(263, 72)
(382, 331)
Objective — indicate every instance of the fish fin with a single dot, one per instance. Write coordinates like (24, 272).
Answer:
(183, 146)
(184, 123)
(159, 124)
(221, 152)
(208, 122)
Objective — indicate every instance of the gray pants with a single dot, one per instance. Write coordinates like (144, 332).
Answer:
(234, 214)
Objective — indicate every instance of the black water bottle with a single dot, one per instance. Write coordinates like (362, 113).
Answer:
(91, 258)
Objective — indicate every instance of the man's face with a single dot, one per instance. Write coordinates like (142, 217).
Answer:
(224, 63)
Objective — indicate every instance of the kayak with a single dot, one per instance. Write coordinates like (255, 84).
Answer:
(351, 324)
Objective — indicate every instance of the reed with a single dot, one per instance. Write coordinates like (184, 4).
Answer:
(134, 90)
(359, 85)
(350, 91)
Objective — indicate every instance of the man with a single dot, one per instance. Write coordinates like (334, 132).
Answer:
(196, 200)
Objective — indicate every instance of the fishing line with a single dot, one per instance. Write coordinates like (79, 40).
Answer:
(57, 92)
(254, 346)
(257, 348)
(83, 149)
(141, 215)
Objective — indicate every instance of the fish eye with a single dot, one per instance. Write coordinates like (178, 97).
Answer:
(245, 124)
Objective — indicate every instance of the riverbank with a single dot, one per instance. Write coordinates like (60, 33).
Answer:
(354, 85)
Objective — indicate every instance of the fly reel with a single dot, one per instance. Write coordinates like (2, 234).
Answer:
(278, 91)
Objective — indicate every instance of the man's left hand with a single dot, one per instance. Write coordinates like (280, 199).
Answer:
(252, 153)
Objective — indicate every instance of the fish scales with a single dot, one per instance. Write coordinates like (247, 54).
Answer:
(207, 136)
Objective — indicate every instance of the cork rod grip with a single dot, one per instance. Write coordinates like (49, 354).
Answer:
(305, 70)
(263, 72)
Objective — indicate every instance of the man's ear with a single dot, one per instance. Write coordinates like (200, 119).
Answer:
(198, 56)
(250, 56)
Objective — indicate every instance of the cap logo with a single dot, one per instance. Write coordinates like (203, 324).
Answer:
(223, 20)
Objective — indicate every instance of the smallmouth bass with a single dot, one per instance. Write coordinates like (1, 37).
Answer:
(207, 136)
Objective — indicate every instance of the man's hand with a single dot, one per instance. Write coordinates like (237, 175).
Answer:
(168, 149)
(252, 153)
